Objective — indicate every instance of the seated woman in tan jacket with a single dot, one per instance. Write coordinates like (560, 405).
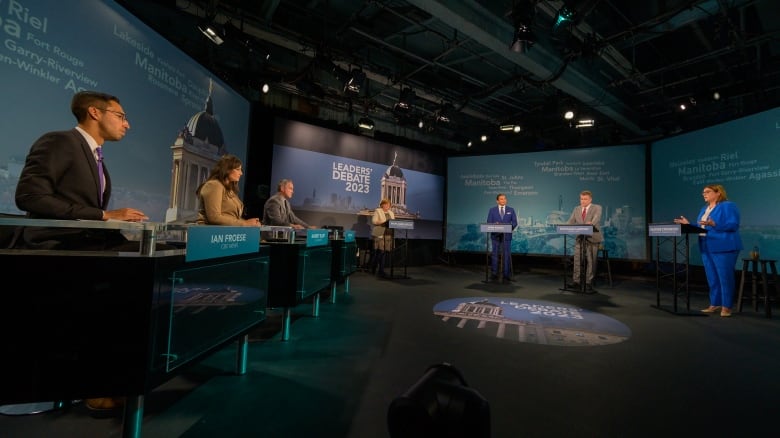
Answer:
(219, 203)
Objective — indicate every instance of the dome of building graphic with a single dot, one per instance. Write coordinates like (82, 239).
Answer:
(394, 171)
(204, 126)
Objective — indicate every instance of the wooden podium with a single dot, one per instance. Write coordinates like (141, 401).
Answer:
(677, 235)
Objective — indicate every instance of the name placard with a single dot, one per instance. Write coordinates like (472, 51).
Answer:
(495, 228)
(316, 238)
(575, 229)
(349, 236)
(401, 224)
(211, 241)
(667, 229)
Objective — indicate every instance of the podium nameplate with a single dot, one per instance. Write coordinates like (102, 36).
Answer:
(672, 229)
(211, 241)
(495, 228)
(401, 224)
(316, 238)
(579, 230)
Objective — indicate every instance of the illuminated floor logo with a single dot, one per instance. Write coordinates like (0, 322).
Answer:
(534, 321)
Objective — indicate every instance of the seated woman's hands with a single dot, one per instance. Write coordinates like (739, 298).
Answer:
(252, 222)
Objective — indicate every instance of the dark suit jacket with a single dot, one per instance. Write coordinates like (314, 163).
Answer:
(60, 181)
(510, 217)
(274, 213)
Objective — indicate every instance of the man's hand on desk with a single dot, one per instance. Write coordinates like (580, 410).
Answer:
(125, 214)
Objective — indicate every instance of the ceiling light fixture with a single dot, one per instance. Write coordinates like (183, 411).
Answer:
(444, 113)
(354, 82)
(568, 115)
(405, 101)
(365, 123)
(213, 31)
(523, 39)
(523, 12)
(585, 123)
(564, 17)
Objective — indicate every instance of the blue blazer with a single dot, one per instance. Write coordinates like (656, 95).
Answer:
(724, 236)
(510, 217)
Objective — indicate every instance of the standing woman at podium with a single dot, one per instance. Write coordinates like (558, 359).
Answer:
(383, 236)
(719, 246)
(502, 242)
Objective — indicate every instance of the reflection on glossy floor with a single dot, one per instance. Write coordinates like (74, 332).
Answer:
(338, 373)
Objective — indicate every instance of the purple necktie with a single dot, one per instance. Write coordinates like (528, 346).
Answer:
(99, 151)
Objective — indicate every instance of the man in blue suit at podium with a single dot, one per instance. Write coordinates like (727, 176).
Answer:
(502, 242)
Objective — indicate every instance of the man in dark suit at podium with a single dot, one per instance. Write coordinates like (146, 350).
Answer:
(587, 213)
(502, 242)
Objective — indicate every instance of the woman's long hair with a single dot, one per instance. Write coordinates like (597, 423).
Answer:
(226, 164)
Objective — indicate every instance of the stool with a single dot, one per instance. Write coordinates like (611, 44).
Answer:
(760, 271)
(603, 257)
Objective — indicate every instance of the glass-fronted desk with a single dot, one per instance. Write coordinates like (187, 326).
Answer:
(344, 261)
(300, 268)
(85, 324)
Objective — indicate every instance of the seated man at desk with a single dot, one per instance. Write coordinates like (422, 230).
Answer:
(65, 177)
(277, 210)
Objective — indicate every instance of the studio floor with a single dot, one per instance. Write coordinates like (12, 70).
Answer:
(669, 374)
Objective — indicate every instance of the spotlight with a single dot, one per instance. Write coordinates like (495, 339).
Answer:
(213, 31)
(715, 95)
(568, 115)
(366, 123)
(517, 129)
(266, 88)
(444, 113)
(523, 40)
(523, 13)
(484, 138)
(564, 17)
(421, 124)
(354, 82)
(405, 101)
(469, 144)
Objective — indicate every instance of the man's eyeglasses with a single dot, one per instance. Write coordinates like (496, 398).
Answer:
(707, 191)
(122, 116)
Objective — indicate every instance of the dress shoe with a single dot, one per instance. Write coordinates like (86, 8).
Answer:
(589, 289)
(574, 285)
(507, 280)
(711, 309)
(725, 311)
(381, 274)
(104, 403)
(494, 277)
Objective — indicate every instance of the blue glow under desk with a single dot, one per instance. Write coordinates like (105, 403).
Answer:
(299, 270)
(104, 324)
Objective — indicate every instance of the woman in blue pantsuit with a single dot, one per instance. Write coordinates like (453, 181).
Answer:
(719, 246)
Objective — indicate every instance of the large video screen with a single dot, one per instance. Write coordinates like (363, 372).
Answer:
(544, 188)
(742, 155)
(181, 117)
(340, 179)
